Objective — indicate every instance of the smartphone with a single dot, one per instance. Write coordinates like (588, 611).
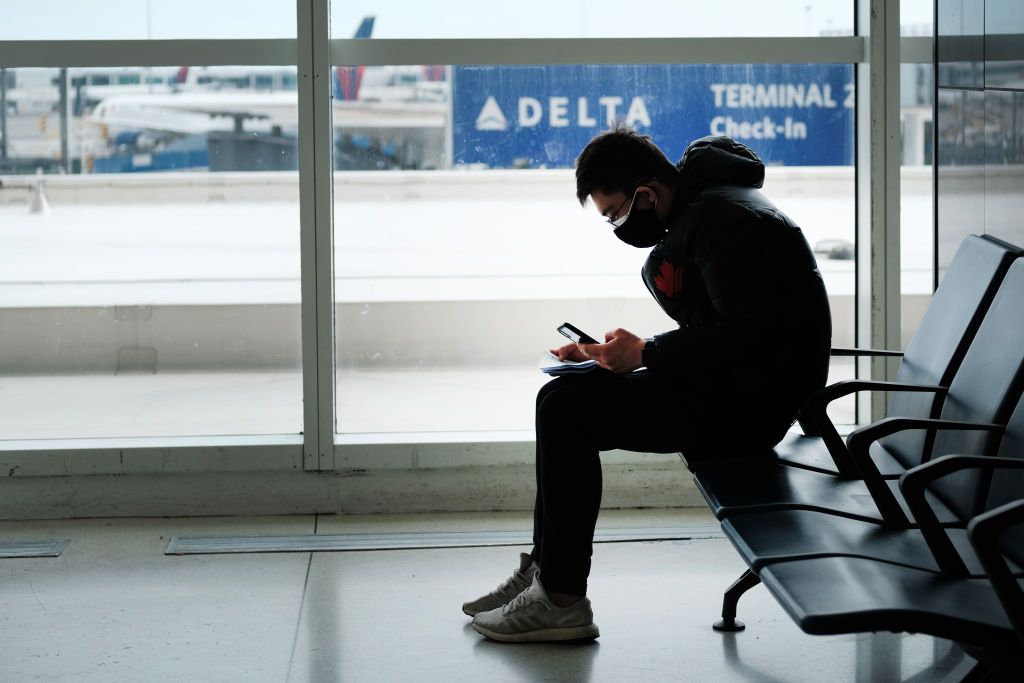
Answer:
(574, 333)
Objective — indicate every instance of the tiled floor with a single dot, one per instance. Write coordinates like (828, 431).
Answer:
(113, 607)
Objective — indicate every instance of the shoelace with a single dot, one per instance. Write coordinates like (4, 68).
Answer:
(521, 600)
(517, 580)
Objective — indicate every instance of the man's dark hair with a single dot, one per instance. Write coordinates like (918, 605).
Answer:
(618, 160)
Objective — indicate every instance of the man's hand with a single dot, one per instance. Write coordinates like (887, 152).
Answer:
(569, 352)
(622, 351)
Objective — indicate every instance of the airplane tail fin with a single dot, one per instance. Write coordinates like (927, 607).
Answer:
(182, 76)
(365, 28)
(349, 78)
(433, 73)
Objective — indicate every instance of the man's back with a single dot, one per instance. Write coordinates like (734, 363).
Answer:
(740, 279)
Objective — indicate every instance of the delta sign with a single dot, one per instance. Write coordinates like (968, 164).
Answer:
(542, 116)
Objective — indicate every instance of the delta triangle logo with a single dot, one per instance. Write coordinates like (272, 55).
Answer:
(491, 116)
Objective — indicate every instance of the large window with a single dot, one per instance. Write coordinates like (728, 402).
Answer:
(461, 251)
(262, 219)
(150, 252)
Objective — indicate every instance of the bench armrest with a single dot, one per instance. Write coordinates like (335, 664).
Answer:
(983, 532)
(838, 351)
(861, 439)
(859, 445)
(814, 414)
(849, 386)
(914, 483)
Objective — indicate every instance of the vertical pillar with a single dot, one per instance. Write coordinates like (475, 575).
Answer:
(62, 88)
(316, 186)
(878, 193)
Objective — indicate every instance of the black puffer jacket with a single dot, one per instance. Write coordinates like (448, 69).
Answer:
(740, 279)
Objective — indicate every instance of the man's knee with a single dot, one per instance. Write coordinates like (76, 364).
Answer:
(546, 390)
(561, 399)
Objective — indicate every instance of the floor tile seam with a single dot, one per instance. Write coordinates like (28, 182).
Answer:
(351, 548)
(302, 606)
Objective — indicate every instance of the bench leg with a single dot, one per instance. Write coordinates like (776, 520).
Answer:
(740, 586)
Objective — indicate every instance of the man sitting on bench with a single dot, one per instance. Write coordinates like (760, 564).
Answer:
(753, 342)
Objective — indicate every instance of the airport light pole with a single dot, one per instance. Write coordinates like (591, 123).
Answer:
(63, 89)
(3, 114)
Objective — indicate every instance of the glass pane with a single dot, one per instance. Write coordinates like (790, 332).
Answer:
(1004, 164)
(960, 49)
(152, 19)
(960, 169)
(917, 240)
(916, 17)
(144, 292)
(590, 19)
(1004, 52)
(454, 267)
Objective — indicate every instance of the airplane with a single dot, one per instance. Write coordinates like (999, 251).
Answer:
(36, 91)
(383, 117)
(389, 83)
(196, 103)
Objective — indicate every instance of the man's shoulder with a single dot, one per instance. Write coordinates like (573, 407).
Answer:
(725, 205)
(733, 206)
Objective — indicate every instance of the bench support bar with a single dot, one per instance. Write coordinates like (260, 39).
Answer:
(740, 586)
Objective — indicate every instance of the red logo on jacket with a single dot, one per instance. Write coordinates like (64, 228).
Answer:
(670, 280)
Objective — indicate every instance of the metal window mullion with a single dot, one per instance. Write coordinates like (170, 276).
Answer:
(323, 178)
(383, 52)
(99, 53)
(307, 239)
(878, 195)
(284, 51)
(149, 455)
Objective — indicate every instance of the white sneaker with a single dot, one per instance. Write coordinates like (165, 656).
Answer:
(532, 617)
(513, 586)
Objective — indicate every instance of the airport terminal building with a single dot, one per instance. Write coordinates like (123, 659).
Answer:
(275, 278)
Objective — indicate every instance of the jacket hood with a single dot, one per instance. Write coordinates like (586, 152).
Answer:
(711, 161)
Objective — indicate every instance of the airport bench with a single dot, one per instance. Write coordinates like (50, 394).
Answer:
(941, 550)
(962, 584)
(981, 394)
(773, 512)
(932, 543)
(983, 613)
(932, 357)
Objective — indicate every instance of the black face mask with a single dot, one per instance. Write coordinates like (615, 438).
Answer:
(642, 228)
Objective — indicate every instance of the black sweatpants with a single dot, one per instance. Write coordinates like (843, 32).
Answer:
(577, 417)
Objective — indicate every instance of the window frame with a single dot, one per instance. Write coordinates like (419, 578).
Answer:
(313, 52)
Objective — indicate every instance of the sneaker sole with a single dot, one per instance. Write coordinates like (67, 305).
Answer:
(547, 635)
